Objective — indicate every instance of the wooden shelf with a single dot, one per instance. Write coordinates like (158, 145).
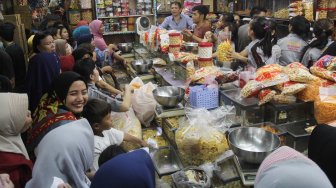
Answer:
(119, 32)
(114, 17)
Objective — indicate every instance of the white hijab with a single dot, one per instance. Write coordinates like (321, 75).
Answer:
(65, 152)
(13, 112)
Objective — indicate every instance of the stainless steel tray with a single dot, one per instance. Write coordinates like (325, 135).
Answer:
(166, 161)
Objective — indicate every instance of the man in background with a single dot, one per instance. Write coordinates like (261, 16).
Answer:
(177, 21)
(243, 38)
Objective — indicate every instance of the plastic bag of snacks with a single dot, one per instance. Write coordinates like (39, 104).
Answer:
(298, 73)
(324, 111)
(206, 71)
(191, 177)
(250, 89)
(284, 99)
(311, 92)
(223, 51)
(270, 75)
(190, 68)
(323, 73)
(324, 61)
(265, 96)
(194, 142)
(292, 88)
(128, 123)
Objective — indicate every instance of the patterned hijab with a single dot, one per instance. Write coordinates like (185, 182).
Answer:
(52, 112)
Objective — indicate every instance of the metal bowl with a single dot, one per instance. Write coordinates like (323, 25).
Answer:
(191, 46)
(125, 47)
(142, 66)
(252, 144)
(168, 96)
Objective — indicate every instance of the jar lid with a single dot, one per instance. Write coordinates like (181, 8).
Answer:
(174, 34)
(174, 46)
(205, 44)
(204, 59)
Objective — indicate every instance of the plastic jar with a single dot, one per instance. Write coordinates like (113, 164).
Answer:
(175, 39)
(205, 50)
(174, 48)
(205, 62)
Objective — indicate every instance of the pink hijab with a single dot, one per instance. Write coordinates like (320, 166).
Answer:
(98, 39)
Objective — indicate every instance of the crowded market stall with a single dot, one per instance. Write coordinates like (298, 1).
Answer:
(212, 91)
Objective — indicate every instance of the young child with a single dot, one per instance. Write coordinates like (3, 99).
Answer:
(98, 113)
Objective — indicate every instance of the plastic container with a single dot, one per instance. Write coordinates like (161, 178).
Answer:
(208, 62)
(175, 39)
(203, 97)
(166, 161)
(174, 48)
(169, 127)
(205, 50)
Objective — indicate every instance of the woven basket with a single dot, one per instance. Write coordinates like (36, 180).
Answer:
(87, 15)
(74, 17)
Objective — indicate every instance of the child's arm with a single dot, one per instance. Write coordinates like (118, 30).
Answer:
(133, 139)
(126, 104)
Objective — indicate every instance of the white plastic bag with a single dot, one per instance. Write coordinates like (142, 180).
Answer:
(144, 104)
(136, 83)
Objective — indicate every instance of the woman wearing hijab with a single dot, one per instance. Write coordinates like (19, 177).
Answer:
(43, 68)
(65, 153)
(64, 52)
(129, 170)
(322, 150)
(286, 167)
(97, 29)
(81, 30)
(58, 107)
(13, 154)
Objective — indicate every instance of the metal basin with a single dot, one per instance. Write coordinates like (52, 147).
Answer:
(168, 96)
(191, 46)
(142, 66)
(125, 47)
(252, 144)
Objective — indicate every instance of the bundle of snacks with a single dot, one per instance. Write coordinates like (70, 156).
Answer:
(296, 9)
(223, 50)
(196, 146)
(250, 89)
(324, 61)
(206, 71)
(184, 57)
(324, 111)
(298, 73)
(284, 99)
(190, 68)
(308, 10)
(323, 73)
(311, 92)
(265, 96)
(270, 75)
(292, 88)
(282, 13)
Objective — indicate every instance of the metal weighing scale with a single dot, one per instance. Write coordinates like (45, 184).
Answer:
(247, 171)
(164, 112)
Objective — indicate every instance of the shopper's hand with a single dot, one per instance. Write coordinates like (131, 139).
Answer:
(144, 144)
(106, 69)
(128, 89)
(187, 32)
(126, 62)
(5, 181)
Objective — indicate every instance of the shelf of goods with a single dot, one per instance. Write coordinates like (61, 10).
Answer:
(80, 10)
(280, 9)
(326, 9)
(119, 16)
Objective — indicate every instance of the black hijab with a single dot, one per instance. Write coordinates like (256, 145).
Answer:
(63, 82)
(322, 150)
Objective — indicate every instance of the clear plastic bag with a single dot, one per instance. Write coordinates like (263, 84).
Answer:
(144, 104)
(325, 109)
(197, 141)
(128, 123)
(192, 176)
